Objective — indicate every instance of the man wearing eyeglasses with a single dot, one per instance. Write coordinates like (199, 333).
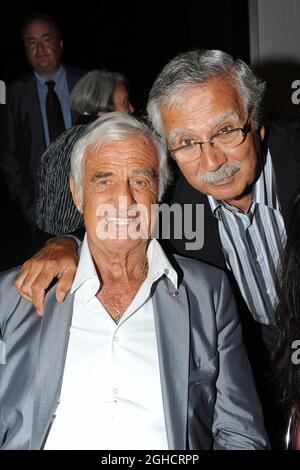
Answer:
(208, 108)
(210, 117)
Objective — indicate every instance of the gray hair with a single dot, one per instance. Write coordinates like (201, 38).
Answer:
(94, 92)
(194, 67)
(111, 127)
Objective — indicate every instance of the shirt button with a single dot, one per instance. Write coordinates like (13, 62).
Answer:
(268, 291)
(258, 259)
(115, 339)
(115, 391)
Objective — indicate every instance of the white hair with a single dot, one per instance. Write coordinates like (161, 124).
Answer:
(111, 127)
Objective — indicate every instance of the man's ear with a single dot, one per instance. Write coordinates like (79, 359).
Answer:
(61, 45)
(261, 133)
(76, 198)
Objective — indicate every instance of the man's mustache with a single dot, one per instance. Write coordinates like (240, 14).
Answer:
(228, 169)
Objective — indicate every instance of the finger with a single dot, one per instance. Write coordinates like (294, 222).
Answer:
(38, 301)
(38, 289)
(27, 298)
(20, 278)
(24, 282)
(64, 284)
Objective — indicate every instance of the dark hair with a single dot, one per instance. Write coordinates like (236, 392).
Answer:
(287, 374)
(37, 16)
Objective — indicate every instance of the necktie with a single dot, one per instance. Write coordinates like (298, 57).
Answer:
(56, 124)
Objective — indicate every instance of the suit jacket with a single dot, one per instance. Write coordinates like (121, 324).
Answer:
(25, 141)
(208, 394)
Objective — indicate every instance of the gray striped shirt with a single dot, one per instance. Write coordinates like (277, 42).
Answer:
(251, 244)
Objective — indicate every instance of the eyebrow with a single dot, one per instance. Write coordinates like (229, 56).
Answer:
(144, 172)
(100, 174)
(139, 171)
(30, 38)
(175, 132)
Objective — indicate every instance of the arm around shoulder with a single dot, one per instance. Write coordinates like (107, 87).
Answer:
(57, 259)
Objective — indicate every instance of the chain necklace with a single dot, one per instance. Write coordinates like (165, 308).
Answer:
(118, 317)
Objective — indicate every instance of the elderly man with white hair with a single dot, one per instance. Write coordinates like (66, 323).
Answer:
(146, 351)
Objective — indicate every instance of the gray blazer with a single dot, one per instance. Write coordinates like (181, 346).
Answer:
(208, 393)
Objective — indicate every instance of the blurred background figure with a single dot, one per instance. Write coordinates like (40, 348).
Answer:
(286, 358)
(37, 110)
(97, 93)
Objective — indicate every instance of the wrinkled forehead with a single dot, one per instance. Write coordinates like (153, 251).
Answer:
(202, 105)
(210, 87)
(138, 147)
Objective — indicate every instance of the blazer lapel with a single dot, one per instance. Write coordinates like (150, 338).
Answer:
(171, 314)
(36, 120)
(211, 252)
(53, 345)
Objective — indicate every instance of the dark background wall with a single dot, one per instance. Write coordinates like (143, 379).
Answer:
(133, 37)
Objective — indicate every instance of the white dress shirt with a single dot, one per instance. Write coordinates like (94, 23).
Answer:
(111, 395)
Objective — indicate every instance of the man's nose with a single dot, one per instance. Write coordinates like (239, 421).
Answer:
(125, 195)
(39, 46)
(212, 159)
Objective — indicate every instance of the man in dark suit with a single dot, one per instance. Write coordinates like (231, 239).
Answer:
(27, 127)
(207, 107)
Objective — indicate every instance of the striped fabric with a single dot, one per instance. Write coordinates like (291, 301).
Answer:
(252, 242)
(56, 212)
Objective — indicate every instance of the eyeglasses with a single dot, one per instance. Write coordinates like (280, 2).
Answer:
(226, 139)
